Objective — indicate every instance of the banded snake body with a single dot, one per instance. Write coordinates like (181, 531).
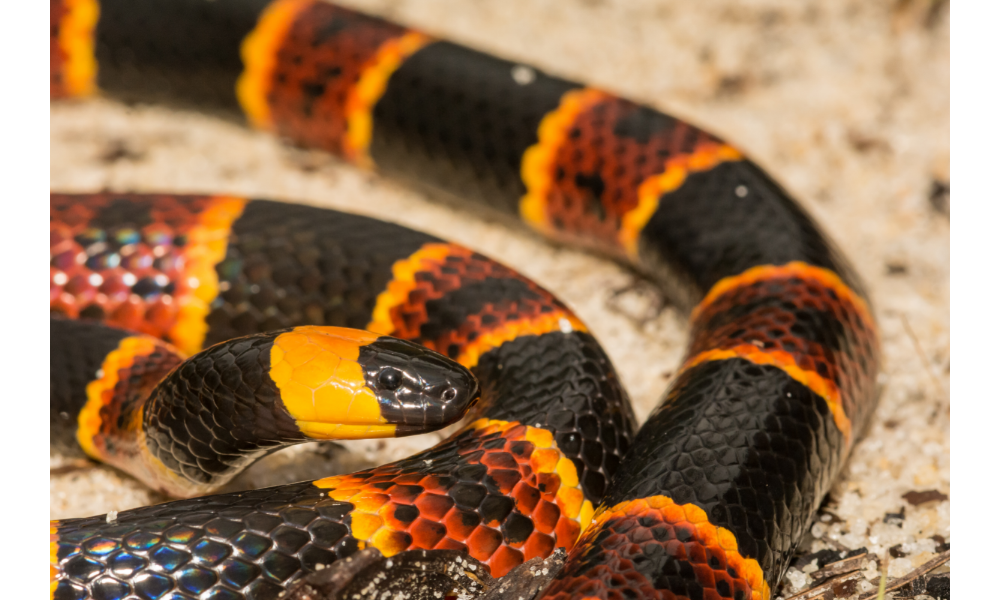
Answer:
(707, 500)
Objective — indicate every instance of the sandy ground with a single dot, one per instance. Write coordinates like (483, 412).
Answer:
(846, 103)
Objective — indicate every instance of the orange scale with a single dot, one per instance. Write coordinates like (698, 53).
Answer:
(597, 589)
(381, 481)
(449, 544)
(391, 542)
(538, 545)
(516, 432)
(337, 493)
(567, 531)
(570, 501)
(696, 553)
(434, 506)
(429, 482)
(66, 304)
(427, 533)
(548, 485)
(461, 524)
(546, 517)
(506, 479)
(673, 513)
(525, 497)
(162, 314)
(388, 514)
(499, 459)
(504, 559)
(694, 528)
(718, 554)
(405, 494)
(483, 542)
(705, 576)
(129, 314)
(676, 549)
(369, 502)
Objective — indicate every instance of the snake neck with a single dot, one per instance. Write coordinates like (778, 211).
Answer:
(183, 427)
(209, 418)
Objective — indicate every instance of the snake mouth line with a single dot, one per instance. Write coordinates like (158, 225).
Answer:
(319, 430)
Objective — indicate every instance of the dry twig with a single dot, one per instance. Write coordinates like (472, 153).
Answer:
(847, 565)
(819, 591)
(927, 567)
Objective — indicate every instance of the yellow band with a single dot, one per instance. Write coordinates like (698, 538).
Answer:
(322, 385)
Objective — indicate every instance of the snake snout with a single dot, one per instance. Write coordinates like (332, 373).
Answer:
(418, 389)
(449, 400)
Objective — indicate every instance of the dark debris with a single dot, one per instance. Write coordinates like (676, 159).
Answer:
(896, 268)
(730, 86)
(935, 586)
(118, 150)
(895, 518)
(939, 544)
(939, 587)
(940, 197)
(917, 498)
(423, 575)
(827, 556)
(866, 143)
(414, 575)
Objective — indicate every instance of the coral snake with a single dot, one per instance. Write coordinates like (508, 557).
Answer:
(708, 499)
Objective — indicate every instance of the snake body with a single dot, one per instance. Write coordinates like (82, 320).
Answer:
(186, 427)
(707, 500)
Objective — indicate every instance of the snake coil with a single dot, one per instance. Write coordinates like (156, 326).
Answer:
(707, 500)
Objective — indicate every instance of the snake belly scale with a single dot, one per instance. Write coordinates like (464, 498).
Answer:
(707, 500)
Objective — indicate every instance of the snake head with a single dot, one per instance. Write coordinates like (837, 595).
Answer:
(339, 383)
(418, 390)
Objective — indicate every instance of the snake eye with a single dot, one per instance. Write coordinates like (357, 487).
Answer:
(390, 378)
(450, 394)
